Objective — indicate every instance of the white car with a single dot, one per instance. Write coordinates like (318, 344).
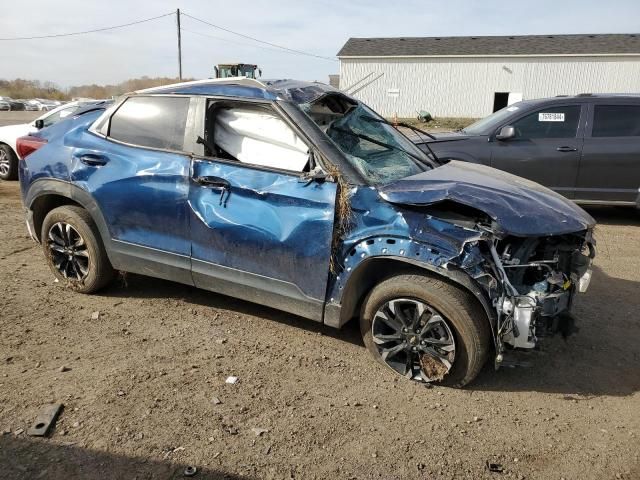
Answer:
(45, 105)
(9, 134)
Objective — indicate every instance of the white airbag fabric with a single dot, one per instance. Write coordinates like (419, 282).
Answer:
(259, 138)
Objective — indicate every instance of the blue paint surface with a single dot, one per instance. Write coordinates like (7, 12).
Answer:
(271, 224)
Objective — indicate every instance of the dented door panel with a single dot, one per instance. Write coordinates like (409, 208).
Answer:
(267, 237)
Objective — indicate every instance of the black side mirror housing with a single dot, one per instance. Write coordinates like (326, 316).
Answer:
(506, 133)
(39, 124)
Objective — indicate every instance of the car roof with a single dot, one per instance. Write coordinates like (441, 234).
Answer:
(585, 97)
(297, 91)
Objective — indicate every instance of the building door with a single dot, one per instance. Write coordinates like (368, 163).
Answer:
(500, 100)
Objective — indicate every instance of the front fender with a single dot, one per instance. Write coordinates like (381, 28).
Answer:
(344, 296)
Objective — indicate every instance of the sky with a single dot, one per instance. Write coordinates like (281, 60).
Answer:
(320, 27)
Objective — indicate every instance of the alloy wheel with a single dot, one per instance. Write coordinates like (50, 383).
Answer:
(5, 164)
(68, 251)
(414, 339)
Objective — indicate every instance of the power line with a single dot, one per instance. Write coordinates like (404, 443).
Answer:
(222, 39)
(89, 31)
(299, 52)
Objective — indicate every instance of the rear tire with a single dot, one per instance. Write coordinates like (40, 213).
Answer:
(445, 341)
(8, 163)
(74, 250)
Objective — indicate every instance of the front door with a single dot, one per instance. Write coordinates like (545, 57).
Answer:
(260, 232)
(545, 149)
(610, 165)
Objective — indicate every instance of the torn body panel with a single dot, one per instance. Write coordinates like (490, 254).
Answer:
(268, 230)
(526, 284)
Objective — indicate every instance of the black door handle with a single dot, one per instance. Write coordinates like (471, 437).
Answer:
(216, 183)
(567, 149)
(93, 160)
(213, 182)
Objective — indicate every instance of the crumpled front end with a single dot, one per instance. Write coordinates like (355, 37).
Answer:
(530, 282)
(525, 283)
(535, 281)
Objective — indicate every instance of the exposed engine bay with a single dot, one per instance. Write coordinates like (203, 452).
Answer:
(536, 281)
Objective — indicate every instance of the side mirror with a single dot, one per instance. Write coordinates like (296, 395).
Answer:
(506, 133)
(39, 124)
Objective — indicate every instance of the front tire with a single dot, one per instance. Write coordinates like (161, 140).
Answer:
(74, 250)
(8, 163)
(426, 329)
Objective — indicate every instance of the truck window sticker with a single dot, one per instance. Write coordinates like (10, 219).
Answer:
(550, 117)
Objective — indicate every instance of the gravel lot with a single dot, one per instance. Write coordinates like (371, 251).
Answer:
(142, 382)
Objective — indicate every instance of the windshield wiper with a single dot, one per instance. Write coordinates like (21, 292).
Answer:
(410, 127)
(377, 142)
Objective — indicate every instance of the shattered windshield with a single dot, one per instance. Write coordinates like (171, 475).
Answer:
(374, 147)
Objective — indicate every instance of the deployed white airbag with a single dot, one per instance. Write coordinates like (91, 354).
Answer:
(260, 138)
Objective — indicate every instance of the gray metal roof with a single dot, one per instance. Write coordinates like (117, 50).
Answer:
(504, 45)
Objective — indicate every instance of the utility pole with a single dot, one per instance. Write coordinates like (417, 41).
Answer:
(179, 46)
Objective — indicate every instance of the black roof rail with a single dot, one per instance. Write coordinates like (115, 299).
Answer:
(585, 95)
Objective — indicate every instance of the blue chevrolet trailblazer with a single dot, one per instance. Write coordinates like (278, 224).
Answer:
(297, 196)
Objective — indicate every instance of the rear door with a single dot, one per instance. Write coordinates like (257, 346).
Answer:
(610, 165)
(546, 148)
(259, 231)
(138, 174)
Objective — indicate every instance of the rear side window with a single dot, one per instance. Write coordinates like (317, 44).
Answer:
(616, 121)
(555, 122)
(157, 122)
(59, 115)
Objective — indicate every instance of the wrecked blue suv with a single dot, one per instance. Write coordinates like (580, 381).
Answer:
(297, 196)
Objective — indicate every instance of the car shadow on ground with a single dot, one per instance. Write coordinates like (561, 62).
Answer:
(138, 286)
(615, 215)
(602, 358)
(30, 458)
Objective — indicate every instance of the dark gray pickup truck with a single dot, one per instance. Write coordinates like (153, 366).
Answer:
(586, 147)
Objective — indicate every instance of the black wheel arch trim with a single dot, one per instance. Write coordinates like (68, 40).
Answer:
(336, 316)
(48, 186)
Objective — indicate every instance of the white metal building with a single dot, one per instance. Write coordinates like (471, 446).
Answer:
(474, 76)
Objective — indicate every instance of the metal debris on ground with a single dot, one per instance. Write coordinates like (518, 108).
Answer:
(95, 315)
(495, 467)
(232, 380)
(190, 471)
(45, 420)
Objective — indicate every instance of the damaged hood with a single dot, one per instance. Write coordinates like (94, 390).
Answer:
(519, 206)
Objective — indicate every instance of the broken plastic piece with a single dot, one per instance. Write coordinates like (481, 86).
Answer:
(45, 420)
(495, 467)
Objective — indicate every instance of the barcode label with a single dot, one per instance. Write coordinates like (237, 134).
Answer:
(550, 117)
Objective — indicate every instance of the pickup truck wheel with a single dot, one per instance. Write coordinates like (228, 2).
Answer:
(74, 250)
(8, 163)
(426, 330)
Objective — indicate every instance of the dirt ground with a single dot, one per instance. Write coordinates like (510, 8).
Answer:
(141, 384)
